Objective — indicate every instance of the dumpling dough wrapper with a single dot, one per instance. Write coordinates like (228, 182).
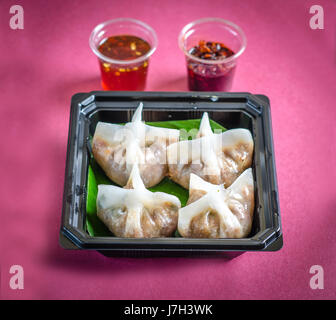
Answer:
(117, 148)
(135, 212)
(218, 158)
(215, 212)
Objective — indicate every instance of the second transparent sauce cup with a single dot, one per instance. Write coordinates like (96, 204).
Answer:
(208, 70)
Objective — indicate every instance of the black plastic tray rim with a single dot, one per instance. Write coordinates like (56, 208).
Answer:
(83, 104)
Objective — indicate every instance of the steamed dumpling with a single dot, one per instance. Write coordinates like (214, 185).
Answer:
(117, 148)
(217, 158)
(215, 212)
(135, 212)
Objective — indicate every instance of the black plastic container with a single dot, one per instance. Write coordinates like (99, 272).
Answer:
(231, 110)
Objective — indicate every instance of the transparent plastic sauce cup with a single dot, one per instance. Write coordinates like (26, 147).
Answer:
(211, 75)
(122, 74)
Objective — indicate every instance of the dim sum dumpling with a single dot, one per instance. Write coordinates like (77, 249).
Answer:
(117, 148)
(218, 158)
(215, 212)
(135, 212)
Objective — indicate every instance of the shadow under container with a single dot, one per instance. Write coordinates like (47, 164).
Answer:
(211, 75)
(123, 74)
(231, 110)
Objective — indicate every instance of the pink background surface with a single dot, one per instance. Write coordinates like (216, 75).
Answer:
(42, 66)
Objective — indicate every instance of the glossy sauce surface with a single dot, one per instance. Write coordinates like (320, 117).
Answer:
(128, 76)
(210, 77)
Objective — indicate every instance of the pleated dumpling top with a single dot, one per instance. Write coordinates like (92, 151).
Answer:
(218, 158)
(117, 148)
(213, 211)
(135, 212)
